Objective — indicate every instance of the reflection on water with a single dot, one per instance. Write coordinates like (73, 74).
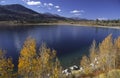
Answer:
(17, 41)
(71, 42)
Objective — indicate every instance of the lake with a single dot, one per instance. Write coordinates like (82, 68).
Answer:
(70, 42)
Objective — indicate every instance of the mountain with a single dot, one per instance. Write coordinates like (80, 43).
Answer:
(51, 15)
(19, 13)
(19, 9)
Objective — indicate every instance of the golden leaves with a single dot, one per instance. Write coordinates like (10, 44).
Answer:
(38, 64)
(6, 66)
(107, 55)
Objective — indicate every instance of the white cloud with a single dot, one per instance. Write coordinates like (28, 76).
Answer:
(50, 4)
(38, 4)
(77, 11)
(33, 2)
(57, 7)
(59, 10)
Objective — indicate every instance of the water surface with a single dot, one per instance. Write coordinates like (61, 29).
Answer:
(71, 42)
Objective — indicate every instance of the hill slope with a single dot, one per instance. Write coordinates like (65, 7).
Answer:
(16, 12)
(19, 9)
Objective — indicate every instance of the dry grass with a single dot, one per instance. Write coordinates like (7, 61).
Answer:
(110, 74)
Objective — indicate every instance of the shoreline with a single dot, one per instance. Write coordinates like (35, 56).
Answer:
(111, 27)
(28, 24)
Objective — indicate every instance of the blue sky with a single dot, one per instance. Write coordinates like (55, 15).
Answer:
(90, 9)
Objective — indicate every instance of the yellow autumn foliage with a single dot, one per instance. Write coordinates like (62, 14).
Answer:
(6, 66)
(27, 58)
(42, 64)
(106, 54)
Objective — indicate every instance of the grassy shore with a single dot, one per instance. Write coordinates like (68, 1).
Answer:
(11, 24)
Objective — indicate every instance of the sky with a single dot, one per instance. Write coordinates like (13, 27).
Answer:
(89, 9)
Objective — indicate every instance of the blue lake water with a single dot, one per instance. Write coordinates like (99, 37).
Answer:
(70, 42)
